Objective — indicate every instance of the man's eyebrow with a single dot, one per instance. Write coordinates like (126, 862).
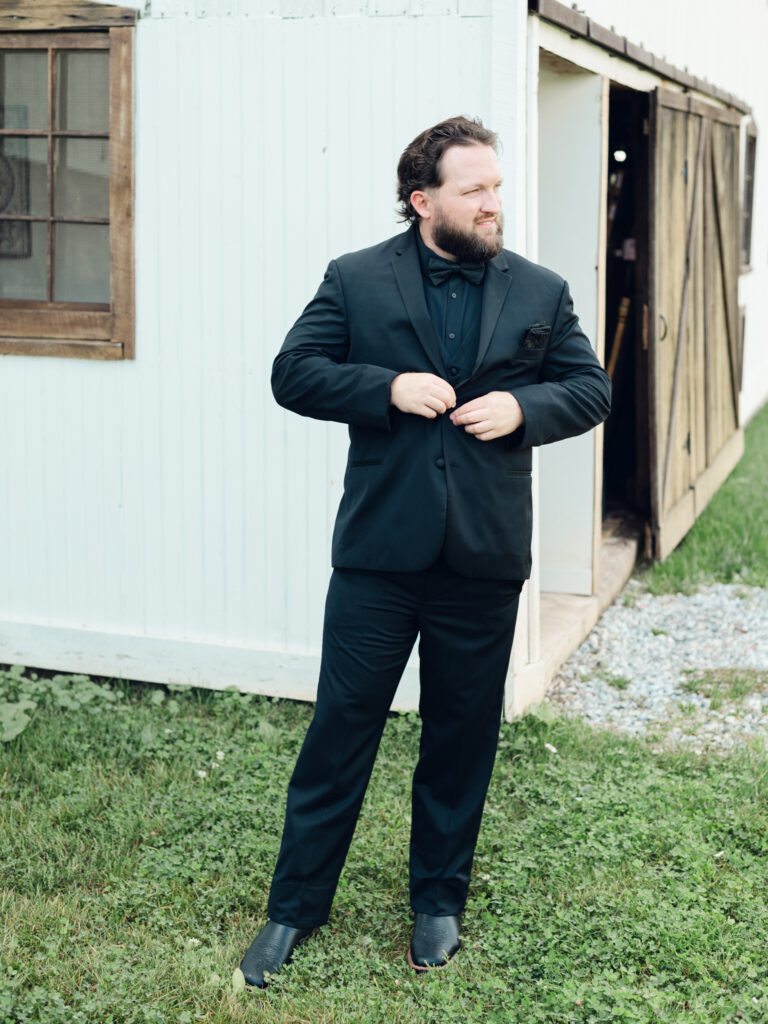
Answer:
(478, 184)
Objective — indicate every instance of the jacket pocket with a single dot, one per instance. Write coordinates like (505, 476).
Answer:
(535, 338)
(355, 463)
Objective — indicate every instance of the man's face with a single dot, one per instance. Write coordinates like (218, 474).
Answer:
(462, 218)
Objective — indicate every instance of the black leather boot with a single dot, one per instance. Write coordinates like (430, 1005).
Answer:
(435, 941)
(270, 950)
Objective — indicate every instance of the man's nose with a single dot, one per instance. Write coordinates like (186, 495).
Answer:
(491, 202)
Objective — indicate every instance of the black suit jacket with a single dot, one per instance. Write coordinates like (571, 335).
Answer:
(415, 487)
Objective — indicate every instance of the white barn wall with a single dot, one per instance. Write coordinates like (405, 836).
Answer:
(169, 497)
(570, 198)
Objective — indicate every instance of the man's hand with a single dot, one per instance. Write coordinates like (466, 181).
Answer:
(492, 415)
(422, 394)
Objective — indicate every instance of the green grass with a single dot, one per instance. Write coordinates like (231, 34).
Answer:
(729, 541)
(726, 684)
(611, 883)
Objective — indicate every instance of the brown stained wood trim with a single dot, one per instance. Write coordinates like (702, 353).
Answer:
(664, 68)
(121, 202)
(58, 133)
(28, 133)
(683, 319)
(57, 15)
(55, 323)
(68, 133)
(43, 40)
(673, 100)
(35, 306)
(638, 54)
(720, 94)
(563, 16)
(719, 197)
(79, 220)
(605, 37)
(703, 109)
(64, 349)
(684, 78)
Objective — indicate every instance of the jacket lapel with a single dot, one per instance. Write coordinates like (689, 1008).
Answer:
(495, 288)
(407, 269)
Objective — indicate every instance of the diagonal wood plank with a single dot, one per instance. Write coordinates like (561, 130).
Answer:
(718, 195)
(683, 319)
(708, 299)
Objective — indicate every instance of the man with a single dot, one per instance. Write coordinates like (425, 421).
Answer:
(450, 358)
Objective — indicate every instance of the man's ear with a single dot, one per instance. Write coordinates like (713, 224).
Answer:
(421, 203)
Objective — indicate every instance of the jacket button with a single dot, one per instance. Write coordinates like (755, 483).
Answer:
(453, 370)
(440, 463)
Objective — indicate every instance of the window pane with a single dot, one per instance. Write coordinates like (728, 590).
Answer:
(23, 251)
(23, 175)
(82, 178)
(82, 90)
(81, 263)
(23, 89)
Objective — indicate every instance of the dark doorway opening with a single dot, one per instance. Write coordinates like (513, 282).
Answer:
(626, 452)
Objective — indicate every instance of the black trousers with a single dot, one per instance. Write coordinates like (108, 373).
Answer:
(372, 620)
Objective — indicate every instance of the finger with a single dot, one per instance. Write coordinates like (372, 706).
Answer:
(476, 403)
(489, 435)
(433, 402)
(446, 394)
(476, 416)
(425, 411)
(482, 427)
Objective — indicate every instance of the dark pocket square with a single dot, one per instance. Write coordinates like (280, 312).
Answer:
(536, 336)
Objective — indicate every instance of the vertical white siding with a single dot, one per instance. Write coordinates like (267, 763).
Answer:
(170, 497)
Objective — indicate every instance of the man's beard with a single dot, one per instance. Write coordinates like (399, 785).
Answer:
(467, 246)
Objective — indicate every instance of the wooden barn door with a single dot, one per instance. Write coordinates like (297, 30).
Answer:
(693, 322)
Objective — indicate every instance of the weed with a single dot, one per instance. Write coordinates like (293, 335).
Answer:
(619, 682)
(726, 684)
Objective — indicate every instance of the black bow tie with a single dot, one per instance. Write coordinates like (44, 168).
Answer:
(438, 272)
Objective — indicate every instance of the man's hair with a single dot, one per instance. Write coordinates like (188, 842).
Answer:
(420, 165)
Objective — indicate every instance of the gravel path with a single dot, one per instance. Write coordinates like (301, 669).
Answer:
(641, 668)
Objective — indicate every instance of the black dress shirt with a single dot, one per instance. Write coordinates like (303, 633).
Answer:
(455, 307)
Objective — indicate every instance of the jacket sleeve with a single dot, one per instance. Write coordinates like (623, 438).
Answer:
(311, 374)
(574, 393)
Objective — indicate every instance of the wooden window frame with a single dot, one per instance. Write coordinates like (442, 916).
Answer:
(748, 196)
(68, 329)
